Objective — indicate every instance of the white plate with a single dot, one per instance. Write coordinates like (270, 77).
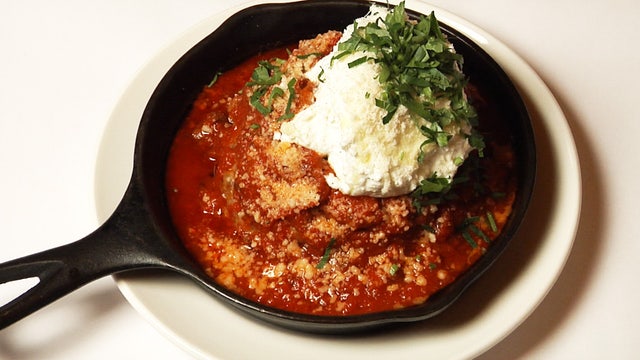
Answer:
(493, 307)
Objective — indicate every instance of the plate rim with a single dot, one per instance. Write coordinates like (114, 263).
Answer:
(524, 77)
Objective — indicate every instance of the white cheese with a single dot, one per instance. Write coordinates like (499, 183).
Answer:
(345, 125)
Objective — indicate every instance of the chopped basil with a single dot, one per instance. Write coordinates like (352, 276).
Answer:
(469, 239)
(432, 191)
(394, 269)
(215, 79)
(492, 222)
(469, 226)
(434, 184)
(264, 76)
(256, 101)
(479, 232)
(321, 75)
(292, 95)
(434, 134)
(477, 141)
(327, 252)
(418, 68)
(304, 56)
(358, 61)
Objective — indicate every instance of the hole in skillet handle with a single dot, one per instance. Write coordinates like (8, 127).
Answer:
(267, 26)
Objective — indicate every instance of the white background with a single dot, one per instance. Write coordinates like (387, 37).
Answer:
(64, 65)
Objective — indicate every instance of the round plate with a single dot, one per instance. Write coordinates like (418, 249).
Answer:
(493, 307)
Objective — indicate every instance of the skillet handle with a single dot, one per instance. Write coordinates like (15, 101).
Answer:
(126, 241)
(60, 271)
(57, 275)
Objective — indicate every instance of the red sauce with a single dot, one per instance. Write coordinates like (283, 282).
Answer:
(229, 185)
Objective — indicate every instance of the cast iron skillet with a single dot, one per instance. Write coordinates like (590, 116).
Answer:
(140, 234)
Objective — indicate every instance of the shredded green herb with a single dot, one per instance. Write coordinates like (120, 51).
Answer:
(492, 222)
(394, 269)
(358, 61)
(321, 77)
(469, 226)
(256, 102)
(434, 190)
(434, 184)
(215, 79)
(304, 56)
(327, 252)
(292, 95)
(264, 76)
(469, 239)
(419, 69)
(476, 230)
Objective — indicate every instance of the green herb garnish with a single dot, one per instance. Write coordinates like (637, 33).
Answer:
(304, 56)
(394, 269)
(432, 191)
(327, 252)
(469, 226)
(419, 69)
(256, 102)
(321, 77)
(215, 79)
(264, 76)
(492, 222)
(476, 230)
(434, 184)
(292, 95)
(469, 239)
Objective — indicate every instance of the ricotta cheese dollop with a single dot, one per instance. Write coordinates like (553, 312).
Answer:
(344, 124)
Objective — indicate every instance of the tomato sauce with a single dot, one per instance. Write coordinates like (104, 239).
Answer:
(259, 217)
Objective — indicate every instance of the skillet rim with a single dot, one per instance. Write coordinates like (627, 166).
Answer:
(145, 170)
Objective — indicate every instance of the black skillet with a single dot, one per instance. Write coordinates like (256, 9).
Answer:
(140, 234)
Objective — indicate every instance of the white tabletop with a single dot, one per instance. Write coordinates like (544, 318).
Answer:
(64, 65)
